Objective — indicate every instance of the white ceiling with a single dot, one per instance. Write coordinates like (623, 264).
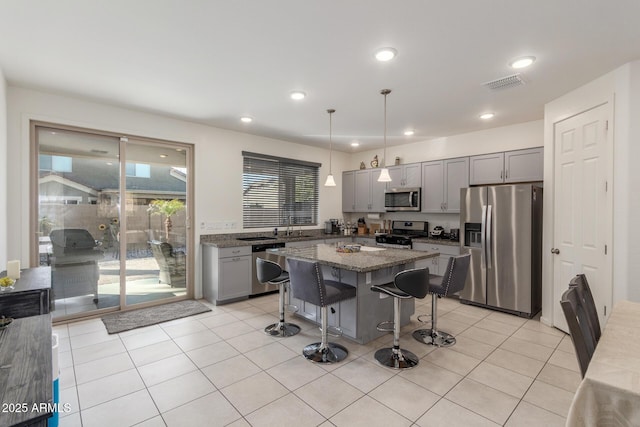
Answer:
(212, 61)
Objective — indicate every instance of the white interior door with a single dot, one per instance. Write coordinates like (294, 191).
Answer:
(582, 208)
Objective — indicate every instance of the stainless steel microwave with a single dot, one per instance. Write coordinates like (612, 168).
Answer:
(402, 199)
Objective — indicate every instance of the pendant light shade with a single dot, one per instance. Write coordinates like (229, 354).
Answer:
(330, 182)
(384, 172)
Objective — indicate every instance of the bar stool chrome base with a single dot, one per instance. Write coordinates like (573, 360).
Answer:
(396, 358)
(437, 338)
(330, 353)
(282, 329)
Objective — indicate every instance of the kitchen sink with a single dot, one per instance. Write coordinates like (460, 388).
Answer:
(255, 239)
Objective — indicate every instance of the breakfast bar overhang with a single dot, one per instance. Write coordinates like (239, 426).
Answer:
(357, 317)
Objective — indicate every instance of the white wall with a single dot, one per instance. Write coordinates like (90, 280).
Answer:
(622, 86)
(218, 159)
(514, 137)
(3, 175)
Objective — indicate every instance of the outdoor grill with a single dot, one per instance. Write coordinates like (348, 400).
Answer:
(74, 263)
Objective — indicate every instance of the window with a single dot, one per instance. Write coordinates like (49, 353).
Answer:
(138, 170)
(55, 163)
(278, 191)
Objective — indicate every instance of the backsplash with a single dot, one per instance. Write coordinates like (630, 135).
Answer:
(446, 220)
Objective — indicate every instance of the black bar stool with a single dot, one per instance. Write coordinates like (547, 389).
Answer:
(308, 284)
(271, 273)
(440, 286)
(407, 284)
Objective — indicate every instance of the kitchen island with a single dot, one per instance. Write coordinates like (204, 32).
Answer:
(357, 317)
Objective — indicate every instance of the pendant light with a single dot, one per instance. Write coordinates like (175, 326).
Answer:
(384, 173)
(330, 181)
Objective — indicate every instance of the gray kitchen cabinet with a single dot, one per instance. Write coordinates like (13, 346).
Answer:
(437, 265)
(507, 167)
(524, 165)
(486, 169)
(348, 191)
(369, 193)
(441, 184)
(405, 176)
(226, 273)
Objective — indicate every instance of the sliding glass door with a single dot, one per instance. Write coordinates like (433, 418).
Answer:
(110, 219)
(155, 209)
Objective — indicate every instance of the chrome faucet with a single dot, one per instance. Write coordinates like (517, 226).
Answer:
(288, 232)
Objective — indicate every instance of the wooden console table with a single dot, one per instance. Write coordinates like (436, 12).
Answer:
(26, 387)
(30, 296)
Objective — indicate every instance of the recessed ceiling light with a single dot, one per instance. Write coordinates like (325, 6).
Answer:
(386, 54)
(246, 119)
(409, 132)
(487, 116)
(355, 144)
(522, 62)
(109, 164)
(164, 156)
(298, 95)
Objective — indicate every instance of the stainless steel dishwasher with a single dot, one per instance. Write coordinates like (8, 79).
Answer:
(260, 251)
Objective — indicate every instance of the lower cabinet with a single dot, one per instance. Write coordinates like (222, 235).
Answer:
(437, 265)
(226, 273)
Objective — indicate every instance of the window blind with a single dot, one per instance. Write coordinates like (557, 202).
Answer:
(278, 191)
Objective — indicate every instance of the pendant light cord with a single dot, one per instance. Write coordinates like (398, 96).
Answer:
(385, 92)
(330, 111)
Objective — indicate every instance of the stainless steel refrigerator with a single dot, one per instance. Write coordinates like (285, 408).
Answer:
(501, 227)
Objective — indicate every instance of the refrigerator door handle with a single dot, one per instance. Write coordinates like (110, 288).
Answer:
(488, 234)
(483, 241)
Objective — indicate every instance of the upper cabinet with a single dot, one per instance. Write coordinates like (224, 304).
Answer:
(369, 193)
(524, 165)
(507, 167)
(441, 184)
(348, 191)
(405, 176)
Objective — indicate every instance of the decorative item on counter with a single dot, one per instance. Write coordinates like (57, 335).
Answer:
(13, 269)
(6, 283)
(397, 161)
(5, 321)
(362, 166)
(437, 232)
(374, 162)
(348, 249)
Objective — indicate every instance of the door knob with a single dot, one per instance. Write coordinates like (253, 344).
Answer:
(555, 251)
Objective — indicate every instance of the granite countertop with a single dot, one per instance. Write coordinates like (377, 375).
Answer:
(435, 241)
(368, 259)
(230, 240)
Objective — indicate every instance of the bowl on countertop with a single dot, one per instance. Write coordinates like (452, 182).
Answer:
(5, 321)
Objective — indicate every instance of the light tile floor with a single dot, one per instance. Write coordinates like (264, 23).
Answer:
(219, 368)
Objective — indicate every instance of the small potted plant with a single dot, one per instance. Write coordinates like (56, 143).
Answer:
(6, 283)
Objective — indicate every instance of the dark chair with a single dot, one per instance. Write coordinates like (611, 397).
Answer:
(171, 263)
(406, 284)
(585, 296)
(270, 273)
(579, 327)
(308, 284)
(74, 263)
(440, 286)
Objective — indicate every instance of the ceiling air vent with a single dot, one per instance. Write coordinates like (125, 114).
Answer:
(99, 151)
(505, 82)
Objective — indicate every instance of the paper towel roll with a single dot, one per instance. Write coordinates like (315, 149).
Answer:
(13, 269)
(373, 216)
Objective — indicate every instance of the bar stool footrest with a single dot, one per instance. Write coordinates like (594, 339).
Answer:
(386, 326)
